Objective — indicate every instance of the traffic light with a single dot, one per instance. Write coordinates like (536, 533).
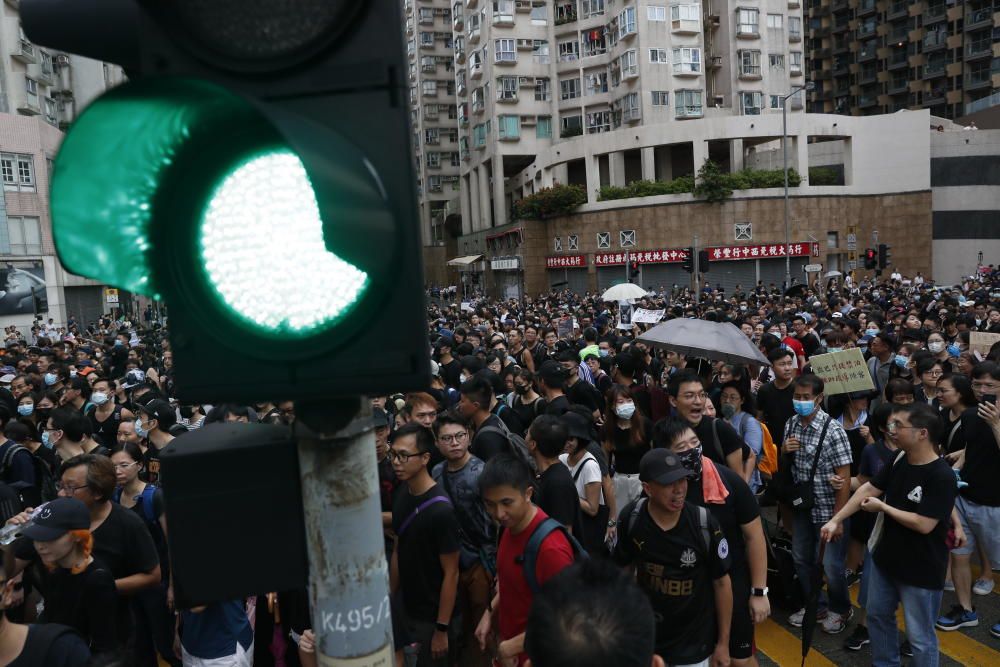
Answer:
(703, 261)
(884, 256)
(688, 263)
(256, 176)
(633, 272)
(871, 259)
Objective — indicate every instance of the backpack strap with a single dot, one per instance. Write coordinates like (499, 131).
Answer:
(633, 516)
(420, 508)
(529, 560)
(716, 442)
(8, 458)
(147, 503)
(583, 465)
(703, 527)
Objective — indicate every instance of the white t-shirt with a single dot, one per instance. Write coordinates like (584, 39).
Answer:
(591, 473)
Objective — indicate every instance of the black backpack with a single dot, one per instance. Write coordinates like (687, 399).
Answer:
(515, 444)
(529, 559)
(44, 489)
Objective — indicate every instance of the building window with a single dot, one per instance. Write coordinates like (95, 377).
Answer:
(543, 128)
(569, 89)
(603, 240)
(543, 89)
(795, 61)
(776, 101)
(507, 88)
(591, 8)
(569, 51)
(655, 13)
(626, 22)
(432, 135)
(574, 242)
(687, 103)
(508, 127)
(775, 21)
(626, 238)
(540, 52)
(794, 27)
(50, 112)
(479, 136)
(750, 103)
(661, 98)
(687, 61)
(427, 39)
(749, 62)
(504, 51)
(571, 124)
(433, 160)
(748, 21)
(598, 121)
(430, 87)
(24, 236)
(658, 56)
(630, 108)
(594, 43)
(18, 172)
(557, 244)
(776, 60)
(629, 64)
(596, 83)
(686, 12)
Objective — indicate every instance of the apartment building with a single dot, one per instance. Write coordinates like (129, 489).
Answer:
(430, 47)
(531, 74)
(41, 92)
(880, 56)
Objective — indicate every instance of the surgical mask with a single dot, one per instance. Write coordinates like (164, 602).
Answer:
(604, 353)
(51, 379)
(118, 342)
(834, 349)
(871, 332)
(463, 378)
(99, 398)
(901, 361)
(803, 408)
(935, 347)
(625, 410)
(863, 348)
(954, 350)
(25, 409)
(139, 430)
(47, 440)
(728, 410)
(691, 459)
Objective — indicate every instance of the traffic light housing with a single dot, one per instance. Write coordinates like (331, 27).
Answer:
(884, 256)
(703, 261)
(633, 272)
(688, 262)
(255, 176)
(871, 259)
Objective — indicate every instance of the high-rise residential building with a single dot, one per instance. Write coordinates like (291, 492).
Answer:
(41, 92)
(430, 48)
(880, 56)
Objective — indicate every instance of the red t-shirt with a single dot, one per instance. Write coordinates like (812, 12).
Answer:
(796, 347)
(554, 554)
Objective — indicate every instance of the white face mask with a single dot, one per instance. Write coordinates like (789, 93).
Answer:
(935, 347)
(625, 410)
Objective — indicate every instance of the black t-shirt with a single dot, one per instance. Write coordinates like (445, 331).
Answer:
(676, 570)
(487, 445)
(626, 455)
(929, 490)
(739, 509)
(52, 645)
(776, 406)
(557, 407)
(510, 418)
(729, 439)
(451, 373)
(527, 412)
(105, 432)
(432, 533)
(85, 602)
(557, 495)
(809, 343)
(584, 393)
(982, 461)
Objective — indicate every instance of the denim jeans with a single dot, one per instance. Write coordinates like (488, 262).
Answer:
(863, 591)
(920, 608)
(805, 552)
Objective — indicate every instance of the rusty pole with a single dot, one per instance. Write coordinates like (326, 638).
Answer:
(348, 574)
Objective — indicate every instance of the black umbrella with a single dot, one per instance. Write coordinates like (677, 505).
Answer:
(797, 290)
(812, 604)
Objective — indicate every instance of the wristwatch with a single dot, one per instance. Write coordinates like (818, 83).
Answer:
(759, 592)
(441, 627)
(612, 523)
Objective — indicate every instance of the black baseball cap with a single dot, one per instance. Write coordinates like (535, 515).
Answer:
(57, 518)
(160, 410)
(661, 466)
(553, 373)
(380, 418)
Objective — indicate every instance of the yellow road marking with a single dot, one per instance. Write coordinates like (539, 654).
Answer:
(785, 648)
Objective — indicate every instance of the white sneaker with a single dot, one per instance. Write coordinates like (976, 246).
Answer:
(949, 585)
(796, 618)
(983, 586)
(834, 623)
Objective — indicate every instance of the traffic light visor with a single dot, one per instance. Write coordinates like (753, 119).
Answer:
(181, 177)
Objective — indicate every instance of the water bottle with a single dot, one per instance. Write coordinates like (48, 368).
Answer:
(11, 532)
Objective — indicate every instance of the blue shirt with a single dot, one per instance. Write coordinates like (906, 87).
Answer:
(214, 632)
(21, 468)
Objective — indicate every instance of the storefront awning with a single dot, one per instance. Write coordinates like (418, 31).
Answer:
(464, 261)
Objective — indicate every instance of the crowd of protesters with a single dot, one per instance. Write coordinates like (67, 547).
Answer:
(560, 494)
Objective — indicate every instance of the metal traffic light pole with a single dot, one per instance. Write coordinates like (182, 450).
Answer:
(348, 573)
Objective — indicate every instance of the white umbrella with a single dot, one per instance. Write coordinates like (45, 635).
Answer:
(720, 341)
(624, 292)
(833, 274)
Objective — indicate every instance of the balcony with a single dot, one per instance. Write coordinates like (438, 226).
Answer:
(898, 9)
(750, 73)
(867, 101)
(459, 55)
(522, 6)
(685, 27)
(867, 76)
(983, 103)
(978, 79)
(688, 111)
(476, 70)
(794, 4)
(714, 62)
(795, 69)
(458, 22)
(899, 60)
(839, 5)
(866, 7)
(795, 36)
(473, 34)
(934, 96)
(507, 96)
(866, 53)
(935, 40)
(979, 19)
(409, 27)
(471, 4)
(933, 70)
(935, 13)
(981, 48)
(24, 51)
(898, 36)
(841, 69)
(503, 20)
(866, 29)
(748, 30)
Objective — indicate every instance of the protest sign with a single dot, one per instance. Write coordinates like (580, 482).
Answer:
(843, 371)
(644, 316)
(624, 315)
(981, 342)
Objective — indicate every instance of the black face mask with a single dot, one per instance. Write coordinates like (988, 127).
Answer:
(43, 414)
(691, 459)
(521, 390)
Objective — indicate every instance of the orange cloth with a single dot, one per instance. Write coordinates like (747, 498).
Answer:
(711, 482)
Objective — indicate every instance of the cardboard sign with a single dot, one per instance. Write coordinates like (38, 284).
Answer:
(981, 342)
(564, 327)
(644, 316)
(624, 315)
(842, 372)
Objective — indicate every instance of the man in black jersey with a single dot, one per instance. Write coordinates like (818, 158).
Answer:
(681, 560)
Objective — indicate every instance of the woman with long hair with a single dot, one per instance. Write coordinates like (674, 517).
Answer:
(525, 403)
(627, 436)
(79, 591)
(954, 394)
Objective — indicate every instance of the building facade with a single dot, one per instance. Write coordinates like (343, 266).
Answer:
(41, 92)
(880, 56)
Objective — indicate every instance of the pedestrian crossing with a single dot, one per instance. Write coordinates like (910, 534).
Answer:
(780, 644)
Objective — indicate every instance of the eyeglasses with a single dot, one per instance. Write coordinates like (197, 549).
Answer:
(70, 489)
(402, 457)
(894, 426)
(934, 374)
(453, 437)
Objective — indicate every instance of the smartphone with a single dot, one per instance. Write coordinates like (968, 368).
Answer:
(989, 398)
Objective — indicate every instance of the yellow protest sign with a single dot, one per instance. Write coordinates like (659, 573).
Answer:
(981, 342)
(843, 371)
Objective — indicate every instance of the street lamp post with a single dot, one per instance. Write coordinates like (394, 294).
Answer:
(784, 152)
